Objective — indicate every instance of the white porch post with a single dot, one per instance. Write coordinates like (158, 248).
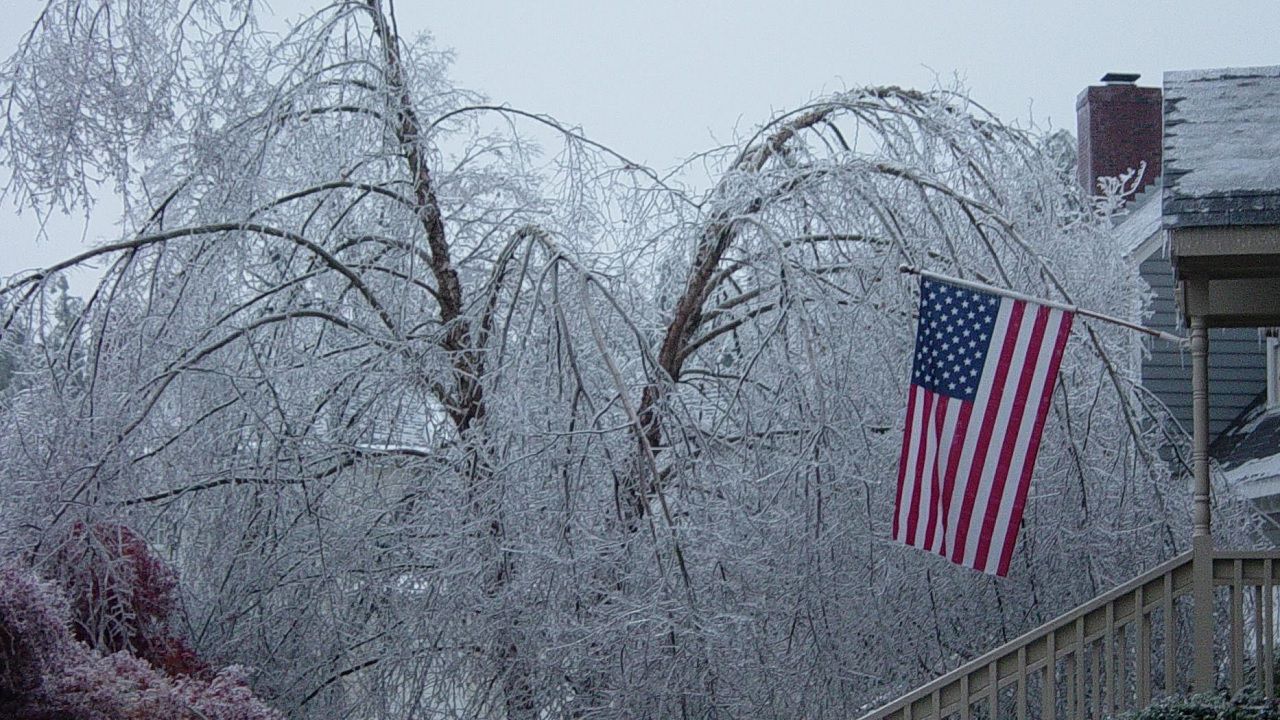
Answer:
(1204, 672)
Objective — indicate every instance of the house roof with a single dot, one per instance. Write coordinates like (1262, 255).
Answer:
(1221, 141)
(1248, 451)
(1140, 222)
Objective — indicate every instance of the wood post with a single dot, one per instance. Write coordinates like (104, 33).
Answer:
(1203, 670)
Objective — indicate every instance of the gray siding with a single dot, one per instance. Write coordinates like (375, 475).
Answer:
(1237, 359)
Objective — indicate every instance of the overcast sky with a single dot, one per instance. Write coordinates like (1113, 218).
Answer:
(662, 79)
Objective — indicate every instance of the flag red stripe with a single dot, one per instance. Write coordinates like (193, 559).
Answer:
(1001, 478)
(1042, 412)
(987, 427)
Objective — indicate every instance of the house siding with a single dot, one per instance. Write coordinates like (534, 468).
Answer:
(1237, 360)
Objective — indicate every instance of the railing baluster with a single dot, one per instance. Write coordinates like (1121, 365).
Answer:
(935, 705)
(1269, 630)
(1144, 648)
(1049, 691)
(1237, 625)
(1069, 682)
(993, 690)
(1081, 709)
(1170, 644)
(1108, 662)
(1258, 679)
(1020, 698)
(1096, 668)
(965, 712)
(1122, 667)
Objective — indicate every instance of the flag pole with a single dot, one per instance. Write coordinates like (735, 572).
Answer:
(983, 287)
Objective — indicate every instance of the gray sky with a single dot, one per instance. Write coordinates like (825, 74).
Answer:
(662, 79)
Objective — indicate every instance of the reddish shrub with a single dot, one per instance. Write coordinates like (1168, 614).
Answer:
(47, 674)
(123, 597)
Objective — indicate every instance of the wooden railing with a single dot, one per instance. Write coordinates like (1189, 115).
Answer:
(1249, 579)
(1120, 650)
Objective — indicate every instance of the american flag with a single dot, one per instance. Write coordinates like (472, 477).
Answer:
(980, 386)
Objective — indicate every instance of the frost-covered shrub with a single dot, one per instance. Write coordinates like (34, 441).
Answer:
(1247, 705)
(122, 597)
(33, 633)
(45, 672)
(115, 687)
(225, 697)
(123, 687)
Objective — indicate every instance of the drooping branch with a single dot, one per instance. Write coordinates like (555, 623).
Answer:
(160, 238)
(688, 314)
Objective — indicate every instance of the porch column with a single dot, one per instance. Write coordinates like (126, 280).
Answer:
(1204, 672)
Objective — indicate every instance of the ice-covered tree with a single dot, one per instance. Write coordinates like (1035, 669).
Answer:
(442, 407)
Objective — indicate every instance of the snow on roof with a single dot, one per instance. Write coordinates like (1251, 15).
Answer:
(391, 449)
(1257, 478)
(1141, 221)
(1221, 144)
(1249, 452)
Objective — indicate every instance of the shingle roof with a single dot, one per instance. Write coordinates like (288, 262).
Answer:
(1221, 142)
(1249, 450)
(1140, 221)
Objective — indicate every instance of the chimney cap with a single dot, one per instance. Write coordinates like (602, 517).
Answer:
(1118, 78)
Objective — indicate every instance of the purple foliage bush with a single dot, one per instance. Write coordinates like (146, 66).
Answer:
(47, 673)
(123, 597)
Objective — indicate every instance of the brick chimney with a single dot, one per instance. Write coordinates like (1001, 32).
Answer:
(1118, 127)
